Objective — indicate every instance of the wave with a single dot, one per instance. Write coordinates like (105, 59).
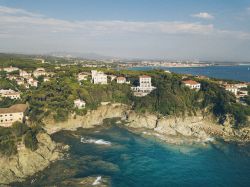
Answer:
(209, 139)
(95, 141)
(97, 181)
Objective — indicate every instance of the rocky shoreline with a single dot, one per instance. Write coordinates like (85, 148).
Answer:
(196, 128)
(26, 162)
(174, 130)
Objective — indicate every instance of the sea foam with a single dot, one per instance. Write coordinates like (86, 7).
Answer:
(95, 141)
(97, 181)
(209, 139)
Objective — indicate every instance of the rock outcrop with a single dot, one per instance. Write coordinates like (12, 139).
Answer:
(26, 162)
(91, 119)
(197, 127)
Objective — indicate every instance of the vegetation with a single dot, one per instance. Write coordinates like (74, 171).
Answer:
(223, 103)
(54, 99)
(12, 136)
(170, 97)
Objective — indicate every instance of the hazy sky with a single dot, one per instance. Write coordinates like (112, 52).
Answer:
(176, 29)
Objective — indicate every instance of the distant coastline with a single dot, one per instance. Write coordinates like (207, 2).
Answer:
(231, 72)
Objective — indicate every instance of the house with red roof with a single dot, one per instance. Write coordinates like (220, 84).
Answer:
(192, 84)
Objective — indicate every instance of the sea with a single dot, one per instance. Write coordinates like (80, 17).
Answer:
(238, 73)
(128, 159)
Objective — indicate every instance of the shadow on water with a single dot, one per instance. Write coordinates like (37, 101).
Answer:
(132, 160)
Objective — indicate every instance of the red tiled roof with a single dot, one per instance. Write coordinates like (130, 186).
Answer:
(191, 82)
(145, 76)
(121, 78)
(14, 109)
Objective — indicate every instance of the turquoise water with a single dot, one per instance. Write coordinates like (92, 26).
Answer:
(241, 73)
(132, 160)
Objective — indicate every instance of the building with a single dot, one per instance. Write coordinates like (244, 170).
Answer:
(39, 72)
(80, 104)
(20, 81)
(32, 82)
(240, 85)
(10, 69)
(242, 93)
(82, 76)
(11, 77)
(145, 86)
(24, 74)
(46, 79)
(231, 88)
(121, 80)
(192, 84)
(12, 114)
(10, 94)
(99, 77)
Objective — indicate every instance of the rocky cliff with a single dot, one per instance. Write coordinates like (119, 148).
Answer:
(26, 162)
(172, 129)
(91, 119)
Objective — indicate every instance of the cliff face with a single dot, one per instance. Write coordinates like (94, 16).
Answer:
(26, 162)
(196, 127)
(91, 119)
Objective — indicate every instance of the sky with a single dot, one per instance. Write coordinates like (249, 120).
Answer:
(215, 30)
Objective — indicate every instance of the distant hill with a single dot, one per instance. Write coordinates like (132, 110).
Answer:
(90, 56)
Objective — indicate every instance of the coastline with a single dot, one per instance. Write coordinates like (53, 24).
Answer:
(171, 130)
(199, 127)
(26, 162)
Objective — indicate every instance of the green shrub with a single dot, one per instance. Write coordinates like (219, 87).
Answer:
(30, 140)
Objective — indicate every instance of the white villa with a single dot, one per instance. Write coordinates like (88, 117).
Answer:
(10, 94)
(242, 93)
(32, 82)
(240, 85)
(11, 77)
(39, 72)
(24, 74)
(99, 77)
(12, 114)
(10, 69)
(80, 104)
(121, 80)
(231, 88)
(20, 81)
(145, 86)
(192, 84)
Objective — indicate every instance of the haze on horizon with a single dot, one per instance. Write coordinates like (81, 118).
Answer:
(199, 30)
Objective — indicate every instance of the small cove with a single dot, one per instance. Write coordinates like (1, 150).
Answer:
(132, 160)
